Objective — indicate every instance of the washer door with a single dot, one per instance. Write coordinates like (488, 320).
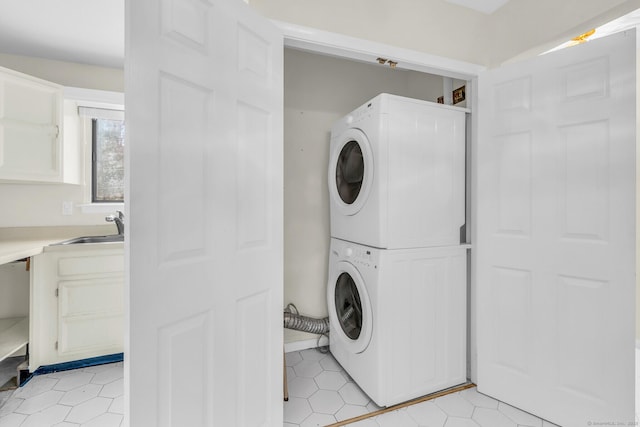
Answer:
(349, 307)
(350, 171)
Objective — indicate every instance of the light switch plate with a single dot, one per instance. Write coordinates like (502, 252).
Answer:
(67, 208)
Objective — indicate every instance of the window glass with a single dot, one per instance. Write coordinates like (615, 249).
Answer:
(108, 160)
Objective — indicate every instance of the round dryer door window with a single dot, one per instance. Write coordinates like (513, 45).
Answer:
(350, 171)
(349, 308)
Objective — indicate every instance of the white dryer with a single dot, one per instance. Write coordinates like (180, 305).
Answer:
(397, 174)
(398, 318)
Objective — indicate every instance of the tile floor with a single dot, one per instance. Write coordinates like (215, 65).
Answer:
(320, 393)
(87, 397)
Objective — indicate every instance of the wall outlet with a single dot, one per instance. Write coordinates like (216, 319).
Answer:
(67, 208)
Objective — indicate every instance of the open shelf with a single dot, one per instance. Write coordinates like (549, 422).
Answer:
(14, 334)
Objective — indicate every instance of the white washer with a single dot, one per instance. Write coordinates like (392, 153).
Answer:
(398, 318)
(397, 174)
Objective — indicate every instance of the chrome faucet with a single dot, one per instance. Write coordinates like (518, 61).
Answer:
(118, 218)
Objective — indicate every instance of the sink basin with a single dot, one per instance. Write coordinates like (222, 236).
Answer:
(93, 239)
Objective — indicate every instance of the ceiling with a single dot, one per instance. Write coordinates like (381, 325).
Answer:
(92, 31)
(484, 6)
(85, 31)
(89, 31)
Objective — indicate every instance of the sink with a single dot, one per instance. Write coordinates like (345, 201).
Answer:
(93, 239)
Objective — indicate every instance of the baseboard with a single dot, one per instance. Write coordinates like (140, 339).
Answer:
(75, 364)
(303, 345)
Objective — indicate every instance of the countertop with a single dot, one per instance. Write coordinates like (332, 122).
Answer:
(21, 242)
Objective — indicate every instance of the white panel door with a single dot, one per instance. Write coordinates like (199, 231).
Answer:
(204, 233)
(555, 243)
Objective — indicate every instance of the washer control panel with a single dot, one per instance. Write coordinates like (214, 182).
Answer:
(359, 256)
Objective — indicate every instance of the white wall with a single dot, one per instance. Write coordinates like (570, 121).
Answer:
(67, 73)
(440, 28)
(41, 205)
(14, 288)
(319, 90)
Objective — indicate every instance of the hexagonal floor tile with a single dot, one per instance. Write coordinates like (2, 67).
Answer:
(302, 387)
(460, 422)
(318, 420)
(12, 420)
(326, 402)
(80, 394)
(313, 354)
(105, 420)
(113, 389)
(89, 410)
(118, 405)
(307, 368)
(330, 364)
(75, 380)
(350, 411)
(35, 386)
(39, 402)
(518, 416)
(292, 358)
(492, 418)
(427, 413)
(108, 375)
(455, 406)
(329, 380)
(478, 399)
(50, 416)
(352, 394)
(296, 410)
(399, 418)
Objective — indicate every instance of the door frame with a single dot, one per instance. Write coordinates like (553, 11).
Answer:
(355, 49)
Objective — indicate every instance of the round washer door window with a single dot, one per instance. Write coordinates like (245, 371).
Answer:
(349, 307)
(350, 171)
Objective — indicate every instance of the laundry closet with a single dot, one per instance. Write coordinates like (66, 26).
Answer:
(318, 90)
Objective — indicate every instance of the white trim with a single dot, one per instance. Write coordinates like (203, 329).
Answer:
(342, 46)
(101, 113)
(91, 208)
(303, 345)
(95, 98)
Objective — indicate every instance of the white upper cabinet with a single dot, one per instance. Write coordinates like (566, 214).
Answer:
(31, 116)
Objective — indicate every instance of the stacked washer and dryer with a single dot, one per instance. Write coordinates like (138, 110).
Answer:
(397, 270)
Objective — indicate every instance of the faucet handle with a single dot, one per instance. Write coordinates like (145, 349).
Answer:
(118, 219)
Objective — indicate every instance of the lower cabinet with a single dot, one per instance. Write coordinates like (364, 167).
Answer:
(76, 308)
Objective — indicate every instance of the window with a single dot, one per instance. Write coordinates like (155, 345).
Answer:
(103, 132)
(107, 161)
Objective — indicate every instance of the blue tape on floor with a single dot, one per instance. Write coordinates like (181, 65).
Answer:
(76, 364)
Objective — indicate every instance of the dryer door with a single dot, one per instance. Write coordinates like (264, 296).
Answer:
(350, 171)
(349, 307)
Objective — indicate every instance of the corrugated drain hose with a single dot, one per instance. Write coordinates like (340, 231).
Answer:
(298, 322)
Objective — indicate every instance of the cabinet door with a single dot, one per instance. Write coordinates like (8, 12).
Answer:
(77, 309)
(30, 131)
(90, 317)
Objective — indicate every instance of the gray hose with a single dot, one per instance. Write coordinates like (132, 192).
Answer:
(303, 323)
